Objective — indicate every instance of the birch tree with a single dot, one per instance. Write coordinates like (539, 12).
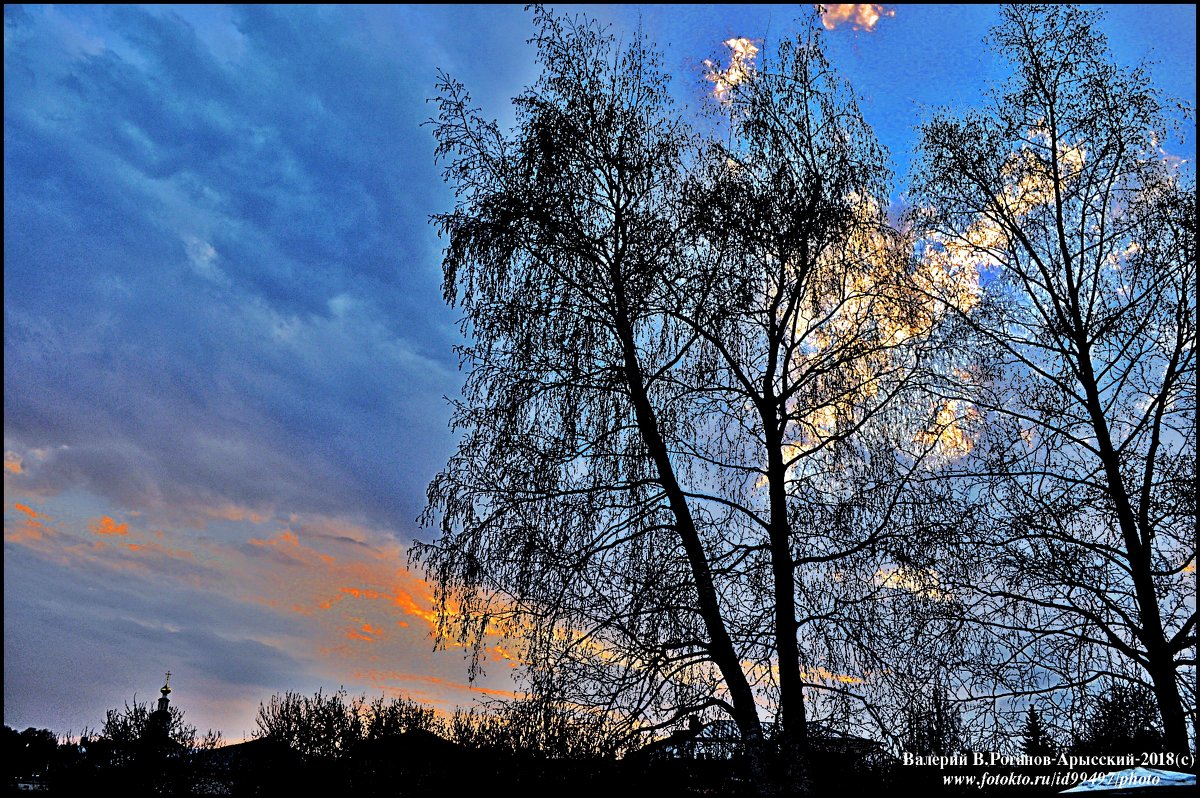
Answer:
(1059, 193)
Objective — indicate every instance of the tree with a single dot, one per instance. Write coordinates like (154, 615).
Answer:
(1035, 740)
(810, 349)
(538, 729)
(1084, 236)
(325, 726)
(28, 753)
(329, 726)
(1123, 719)
(564, 517)
(138, 752)
(690, 366)
(933, 725)
(136, 729)
(391, 718)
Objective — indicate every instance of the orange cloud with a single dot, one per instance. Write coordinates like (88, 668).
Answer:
(506, 654)
(349, 584)
(29, 511)
(284, 537)
(860, 16)
(819, 674)
(102, 542)
(107, 526)
(401, 598)
(361, 607)
(232, 512)
(380, 679)
(405, 601)
(366, 632)
(163, 551)
(357, 593)
(922, 581)
(288, 541)
(12, 463)
(26, 531)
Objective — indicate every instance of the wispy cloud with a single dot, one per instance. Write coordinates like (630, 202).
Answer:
(209, 316)
(223, 398)
(377, 611)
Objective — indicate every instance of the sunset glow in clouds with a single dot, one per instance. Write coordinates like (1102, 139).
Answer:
(334, 595)
(226, 347)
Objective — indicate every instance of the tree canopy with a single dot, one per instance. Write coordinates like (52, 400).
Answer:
(734, 439)
(1059, 193)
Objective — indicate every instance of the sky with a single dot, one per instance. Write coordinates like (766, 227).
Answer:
(226, 353)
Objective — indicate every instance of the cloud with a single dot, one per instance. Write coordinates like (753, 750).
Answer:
(390, 680)
(244, 303)
(107, 526)
(26, 509)
(103, 545)
(63, 618)
(28, 529)
(819, 674)
(372, 586)
(924, 582)
(742, 52)
(293, 606)
(859, 16)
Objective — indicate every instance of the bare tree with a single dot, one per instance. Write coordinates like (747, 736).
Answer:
(1084, 234)
(676, 348)
(536, 728)
(139, 751)
(564, 518)
(816, 331)
(137, 727)
(330, 725)
(932, 724)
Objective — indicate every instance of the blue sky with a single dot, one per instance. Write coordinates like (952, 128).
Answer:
(225, 344)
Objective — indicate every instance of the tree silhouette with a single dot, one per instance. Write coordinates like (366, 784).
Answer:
(136, 728)
(810, 353)
(687, 360)
(535, 728)
(28, 753)
(1035, 740)
(329, 726)
(138, 751)
(1122, 720)
(933, 725)
(564, 516)
(1060, 196)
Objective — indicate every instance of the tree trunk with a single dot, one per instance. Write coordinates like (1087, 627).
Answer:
(720, 645)
(1138, 542)
(792, 732)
